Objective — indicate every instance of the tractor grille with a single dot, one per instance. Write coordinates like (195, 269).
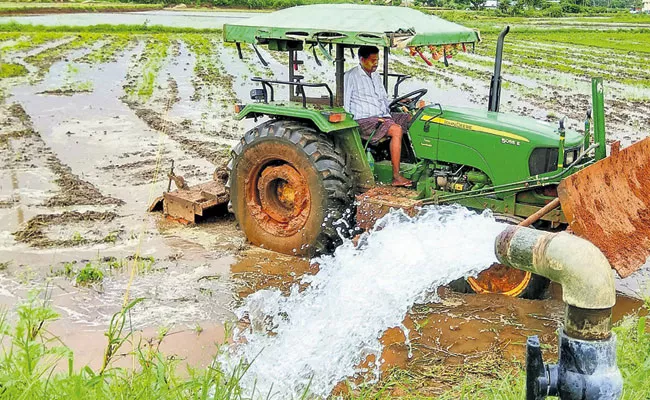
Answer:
(542, 160)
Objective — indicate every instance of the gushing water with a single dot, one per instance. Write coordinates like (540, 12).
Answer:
(313, 339)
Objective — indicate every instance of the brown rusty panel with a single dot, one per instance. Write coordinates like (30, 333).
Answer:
(608, 203)
(377, 202)
(178, 207)
(187, 203)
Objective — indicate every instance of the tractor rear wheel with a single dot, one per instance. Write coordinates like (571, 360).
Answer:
(502, 279)
(289, 188)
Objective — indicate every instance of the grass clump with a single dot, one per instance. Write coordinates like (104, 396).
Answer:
(35, 364)
(89, 275)
(12, 70)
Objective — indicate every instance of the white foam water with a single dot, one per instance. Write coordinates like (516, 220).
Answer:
(313, 339)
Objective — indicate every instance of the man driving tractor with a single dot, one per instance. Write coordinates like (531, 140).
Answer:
(366, 99)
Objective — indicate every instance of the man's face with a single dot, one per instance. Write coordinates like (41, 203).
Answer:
(370, 64)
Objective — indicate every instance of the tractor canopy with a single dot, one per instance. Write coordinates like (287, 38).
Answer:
(350, 24)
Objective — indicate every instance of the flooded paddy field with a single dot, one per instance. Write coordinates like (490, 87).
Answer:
(90, 124)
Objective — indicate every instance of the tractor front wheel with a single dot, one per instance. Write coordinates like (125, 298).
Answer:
(289, 188)
(502, 279)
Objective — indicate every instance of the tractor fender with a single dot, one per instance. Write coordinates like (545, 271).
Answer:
(318, 116)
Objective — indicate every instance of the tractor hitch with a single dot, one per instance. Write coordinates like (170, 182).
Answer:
(186, 203)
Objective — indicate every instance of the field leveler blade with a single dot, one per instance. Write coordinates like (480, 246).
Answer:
(608, 203)
(186, 203)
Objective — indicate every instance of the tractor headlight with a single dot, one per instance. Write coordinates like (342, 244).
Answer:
(570, 156)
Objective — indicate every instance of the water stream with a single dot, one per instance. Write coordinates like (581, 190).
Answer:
(317, 337)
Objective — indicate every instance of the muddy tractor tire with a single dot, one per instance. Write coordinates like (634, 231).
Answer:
(289, 188)
(502, 279)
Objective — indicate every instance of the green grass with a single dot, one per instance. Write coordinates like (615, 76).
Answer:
(14, 27)
(636, 40)
(89, 275)
(32, 354)
(149, 64)
(115, 44)
(12, 70)
(209, 68)
(16, 8)
(27, 42)
(46, 58)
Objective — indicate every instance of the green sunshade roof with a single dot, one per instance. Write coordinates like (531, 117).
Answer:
(351, 24)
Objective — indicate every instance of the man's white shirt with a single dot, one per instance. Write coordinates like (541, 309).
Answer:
(365, 96)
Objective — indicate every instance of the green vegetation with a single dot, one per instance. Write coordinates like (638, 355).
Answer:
(16, 8)
(89, 275)
(150, 63)
(27, 42)
(46, 58)
(209, 68)
(114, 45)
(12, 70)
(94, 271)
(33, 361)
(13, 28)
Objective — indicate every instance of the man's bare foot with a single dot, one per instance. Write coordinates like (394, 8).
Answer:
(402, 182)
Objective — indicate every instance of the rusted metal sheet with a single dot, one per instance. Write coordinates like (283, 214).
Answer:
(377, 202)
(187, 204)
(608, 203)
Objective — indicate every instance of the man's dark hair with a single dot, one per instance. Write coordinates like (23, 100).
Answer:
(366, 51)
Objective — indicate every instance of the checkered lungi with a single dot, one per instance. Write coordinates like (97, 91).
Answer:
(367, 125)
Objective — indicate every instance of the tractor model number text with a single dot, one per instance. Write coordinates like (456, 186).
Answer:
(510, 142)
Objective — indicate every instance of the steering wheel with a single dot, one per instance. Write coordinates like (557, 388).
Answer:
(412, 97)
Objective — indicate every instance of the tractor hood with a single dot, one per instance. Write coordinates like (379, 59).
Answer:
(508, 126)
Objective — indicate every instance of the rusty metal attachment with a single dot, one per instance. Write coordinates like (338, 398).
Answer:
(189, 202)
(608, 203)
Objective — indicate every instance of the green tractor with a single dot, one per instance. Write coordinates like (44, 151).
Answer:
(293, 178)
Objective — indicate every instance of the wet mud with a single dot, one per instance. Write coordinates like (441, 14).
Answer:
(34, 231)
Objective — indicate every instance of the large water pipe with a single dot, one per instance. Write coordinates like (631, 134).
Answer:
(586, 367)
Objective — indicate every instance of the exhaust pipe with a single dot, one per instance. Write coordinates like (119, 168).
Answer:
(587, 347)
(495, 83)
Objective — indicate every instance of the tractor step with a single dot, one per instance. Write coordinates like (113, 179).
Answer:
(186, 204)
(378, 201)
